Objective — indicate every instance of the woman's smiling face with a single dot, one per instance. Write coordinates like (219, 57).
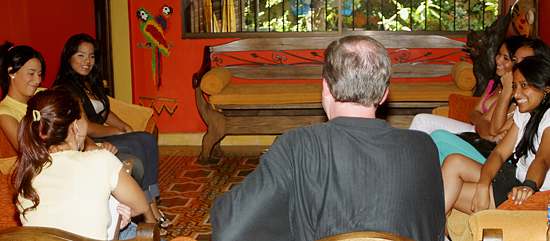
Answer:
(527, 96)
(26, 80)
(83, 60)
(504, 61)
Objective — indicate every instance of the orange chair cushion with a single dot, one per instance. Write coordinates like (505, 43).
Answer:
(538, 201)
(6, 150)
(9, 217)
(294, 93)
(268, 93)
(461, 106)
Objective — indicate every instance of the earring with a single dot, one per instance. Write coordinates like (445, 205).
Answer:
(78, 145)
(12, 77)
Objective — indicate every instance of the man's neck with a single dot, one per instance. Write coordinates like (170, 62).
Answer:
(347, 109)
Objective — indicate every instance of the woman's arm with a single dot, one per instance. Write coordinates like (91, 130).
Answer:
(536, 172)
(9, 126)
(501, 153)
(500, 109)
(90, 145)
(114, 120)
(476, 118)
(97, 130)
(488, 121)
(477, 112)
(128, 192)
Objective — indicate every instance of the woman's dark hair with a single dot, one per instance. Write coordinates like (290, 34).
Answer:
(15, 57)
(58, 109)
(75, 82)
(535, 70)
(540, 48)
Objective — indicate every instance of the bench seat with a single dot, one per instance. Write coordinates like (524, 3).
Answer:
(297, 93)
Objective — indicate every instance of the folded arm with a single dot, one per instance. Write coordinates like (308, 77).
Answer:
(497, 114)
(97, 131)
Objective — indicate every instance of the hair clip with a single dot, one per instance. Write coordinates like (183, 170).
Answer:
(11, 48)
(36, 115)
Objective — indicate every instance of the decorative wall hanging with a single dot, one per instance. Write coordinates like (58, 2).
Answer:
(523, 17)
(163, 106)
(153, 29)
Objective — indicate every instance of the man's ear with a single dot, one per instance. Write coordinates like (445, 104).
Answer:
(385, 96)
(326, 89)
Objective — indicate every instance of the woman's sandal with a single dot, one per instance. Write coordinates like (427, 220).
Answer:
(162, 231)
(162, 220)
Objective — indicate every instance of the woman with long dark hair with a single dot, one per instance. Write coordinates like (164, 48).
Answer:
(472, 187)
(80, 72)
(55, 183)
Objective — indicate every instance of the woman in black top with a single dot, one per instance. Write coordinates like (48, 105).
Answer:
(81, 74)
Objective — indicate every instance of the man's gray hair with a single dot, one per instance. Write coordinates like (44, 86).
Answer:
(357, 69)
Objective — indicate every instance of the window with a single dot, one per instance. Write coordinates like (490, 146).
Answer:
(225, 16)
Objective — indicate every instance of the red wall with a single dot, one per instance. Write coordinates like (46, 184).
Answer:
(544, 21)
(45, 25)
(177, 70)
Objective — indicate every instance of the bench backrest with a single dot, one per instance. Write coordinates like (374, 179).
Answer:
(280, 58)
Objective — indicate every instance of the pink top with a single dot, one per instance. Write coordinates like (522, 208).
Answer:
(489, 94)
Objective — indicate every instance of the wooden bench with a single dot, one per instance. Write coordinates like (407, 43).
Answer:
(264, 98)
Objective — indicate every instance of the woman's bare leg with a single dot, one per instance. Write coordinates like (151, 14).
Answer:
(460, 177)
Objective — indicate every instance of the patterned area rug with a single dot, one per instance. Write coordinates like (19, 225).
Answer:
(188, 189)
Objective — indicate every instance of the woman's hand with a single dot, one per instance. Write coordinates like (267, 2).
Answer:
(498, 137)
(110, 147)
(520, 194)
(506, 81)
(127, 129)
(126, 214)
(481, 199)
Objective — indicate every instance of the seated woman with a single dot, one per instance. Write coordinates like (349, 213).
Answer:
(472, 187)
(80, 73)
(56, 184)
(21, 70)
(495, 122)
(504, 60)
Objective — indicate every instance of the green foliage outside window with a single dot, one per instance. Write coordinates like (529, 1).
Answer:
(392, 15)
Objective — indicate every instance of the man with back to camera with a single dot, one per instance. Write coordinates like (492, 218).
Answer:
(352, 173)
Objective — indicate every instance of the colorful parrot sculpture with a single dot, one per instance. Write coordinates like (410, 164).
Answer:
(153, 29)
